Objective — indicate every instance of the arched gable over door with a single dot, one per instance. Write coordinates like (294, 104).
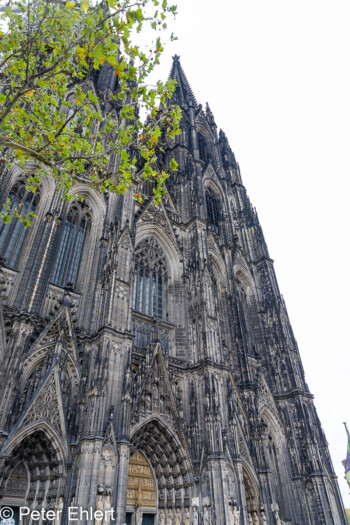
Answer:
(43, 457)
(169, 462)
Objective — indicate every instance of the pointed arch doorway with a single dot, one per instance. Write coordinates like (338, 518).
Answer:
(15, 493)
(141, 501)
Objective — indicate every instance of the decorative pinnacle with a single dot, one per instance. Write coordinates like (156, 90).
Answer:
(176, 58)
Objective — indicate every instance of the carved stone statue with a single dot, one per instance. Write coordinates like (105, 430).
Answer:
(275, 509)
(263, 515)
(99, 506)
(187, 516)
(138, 516)
(107, 509)
(206, 516)
(178, 517)
(255, 518)
(234, 513)
(58, 511)
(195, 516)
(250, 519)
(161, 517)
(170, 519)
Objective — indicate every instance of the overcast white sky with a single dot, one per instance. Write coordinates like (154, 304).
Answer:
(277, 78)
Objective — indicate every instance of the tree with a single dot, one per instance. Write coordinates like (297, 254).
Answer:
(53, 119)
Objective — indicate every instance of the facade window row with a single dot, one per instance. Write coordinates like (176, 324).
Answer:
(150, 274)
(71, 240)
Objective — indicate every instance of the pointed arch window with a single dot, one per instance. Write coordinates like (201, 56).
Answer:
(13, 234)
(202, 146)
(75, 232)
(213, 210)
(150, 279)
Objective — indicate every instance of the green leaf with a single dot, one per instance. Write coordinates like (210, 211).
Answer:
(85, 5)
(157, 132)
(92, 97)
(6, 218)
(173, 165)
(124, 155)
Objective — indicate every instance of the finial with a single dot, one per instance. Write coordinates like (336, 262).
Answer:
(176, 58)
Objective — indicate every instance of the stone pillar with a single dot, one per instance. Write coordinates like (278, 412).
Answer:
(241, 496)
(121, 481)
(87, 479)
(217, 471)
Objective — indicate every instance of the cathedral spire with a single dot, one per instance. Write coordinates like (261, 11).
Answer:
(183, 92)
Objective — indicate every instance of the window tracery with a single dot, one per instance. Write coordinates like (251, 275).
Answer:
(150, 279)
(144, 334)
(13, 234)
(202, 146)
(213, 210)
(73, 239)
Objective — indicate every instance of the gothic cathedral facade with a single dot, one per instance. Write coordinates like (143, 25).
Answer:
(147, 360)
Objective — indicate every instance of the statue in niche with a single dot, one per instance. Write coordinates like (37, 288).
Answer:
(99, 507)
(161, 518)
(206, 515)
(275, 509)
(263, 515)
(138, 516)
(255, 518)
(58, 511)
(170, 517)
(178, 516)
(195, 515)
(107, 508)
(250, 519)
(234, 512)
(155, 392)
(187, 516)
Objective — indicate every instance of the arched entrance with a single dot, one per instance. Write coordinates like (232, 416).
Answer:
(16, 489)
(141, 500)
(160, 447)
(31, 473)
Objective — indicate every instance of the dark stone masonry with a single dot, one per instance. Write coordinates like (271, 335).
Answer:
(148, 367)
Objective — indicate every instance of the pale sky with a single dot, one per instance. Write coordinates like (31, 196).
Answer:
(277, 78)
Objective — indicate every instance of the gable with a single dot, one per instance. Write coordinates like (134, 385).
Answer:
(59, 337)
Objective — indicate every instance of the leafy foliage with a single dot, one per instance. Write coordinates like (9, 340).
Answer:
(52, 116)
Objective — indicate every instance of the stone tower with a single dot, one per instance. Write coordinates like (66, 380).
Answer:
(148, 365)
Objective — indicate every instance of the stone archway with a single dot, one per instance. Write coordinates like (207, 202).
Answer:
(171, 467)
(252, 496)
(17, 483)
(32, 473)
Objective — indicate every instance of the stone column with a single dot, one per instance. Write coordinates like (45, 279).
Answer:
(121, 481)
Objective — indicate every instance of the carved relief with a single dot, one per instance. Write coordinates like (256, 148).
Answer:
(141, 489)
(17, 484)
(46, 406)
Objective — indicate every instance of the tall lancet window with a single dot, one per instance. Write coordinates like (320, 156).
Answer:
(213, 210)
(202, 146)
(150, 279)
(13, 234)
(73, 239)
